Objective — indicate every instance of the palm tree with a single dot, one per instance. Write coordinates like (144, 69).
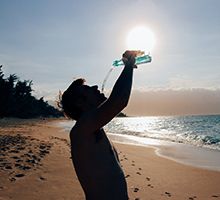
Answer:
(16, 99)
(10, 91)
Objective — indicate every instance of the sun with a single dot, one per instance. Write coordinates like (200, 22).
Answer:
(141, 38)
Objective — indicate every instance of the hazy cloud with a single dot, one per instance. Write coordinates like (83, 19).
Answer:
(174, 102)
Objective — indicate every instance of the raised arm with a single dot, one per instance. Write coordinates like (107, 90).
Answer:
(122, 88)
(117, 101)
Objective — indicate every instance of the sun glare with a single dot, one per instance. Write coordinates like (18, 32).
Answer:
(141, 38)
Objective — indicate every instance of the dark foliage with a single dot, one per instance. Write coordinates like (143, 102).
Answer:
(16, 99)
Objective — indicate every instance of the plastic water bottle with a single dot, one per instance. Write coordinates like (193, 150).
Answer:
(138, 60)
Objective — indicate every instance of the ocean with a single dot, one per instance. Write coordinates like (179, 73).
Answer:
(202, 131)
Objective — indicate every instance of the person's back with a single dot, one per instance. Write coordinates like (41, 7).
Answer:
(94, 158)
(97, 167)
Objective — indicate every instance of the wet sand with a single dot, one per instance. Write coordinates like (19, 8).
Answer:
(35, 164)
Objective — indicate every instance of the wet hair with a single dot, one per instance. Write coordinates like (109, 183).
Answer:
(68, 100)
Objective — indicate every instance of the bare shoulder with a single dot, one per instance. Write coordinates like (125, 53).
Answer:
(95, 119)
(79, 129)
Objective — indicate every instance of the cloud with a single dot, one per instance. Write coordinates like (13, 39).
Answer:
(174, 102)
(210, 81)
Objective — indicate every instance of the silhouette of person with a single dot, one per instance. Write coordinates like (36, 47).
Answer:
(94, 157)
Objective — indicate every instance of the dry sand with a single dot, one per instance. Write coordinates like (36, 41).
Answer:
(35, 164)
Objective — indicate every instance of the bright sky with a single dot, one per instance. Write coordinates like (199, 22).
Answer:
(51, 42)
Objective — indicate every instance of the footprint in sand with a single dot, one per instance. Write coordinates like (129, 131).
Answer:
(148, 179)
(15, 157)
(14, 151)
(12, 179)
(138, 173)
(192, 198)
(124, 156)
(136, 189)
(8, 167)
(19, 175)
(42, 178)
(19, 160)
(168, 194)
(30, 151)
(215, 196)
(24, 167)
(151, 186)
(127, 176)
(2, 188)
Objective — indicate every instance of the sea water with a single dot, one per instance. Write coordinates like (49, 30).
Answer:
(202, 131)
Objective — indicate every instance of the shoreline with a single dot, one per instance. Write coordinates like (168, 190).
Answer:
(185, 154)
(148, 176)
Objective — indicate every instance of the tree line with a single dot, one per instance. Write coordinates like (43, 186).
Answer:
(16, 99)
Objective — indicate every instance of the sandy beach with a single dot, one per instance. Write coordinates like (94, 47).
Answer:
(35, 164)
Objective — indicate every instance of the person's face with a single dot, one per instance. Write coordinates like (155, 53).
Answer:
(92, 96)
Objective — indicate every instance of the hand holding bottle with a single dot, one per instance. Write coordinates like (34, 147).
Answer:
(132, 58)
(140, 58)
(128, 58)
